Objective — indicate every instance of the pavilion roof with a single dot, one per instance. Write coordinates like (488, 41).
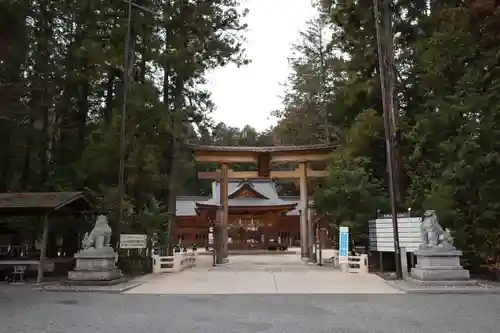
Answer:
(42, 202)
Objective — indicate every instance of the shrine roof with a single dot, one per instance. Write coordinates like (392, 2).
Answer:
(266, 188)
(266, 149)
(186, 206)
(267, 196)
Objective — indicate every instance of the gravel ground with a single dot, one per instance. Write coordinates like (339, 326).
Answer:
(25, 310)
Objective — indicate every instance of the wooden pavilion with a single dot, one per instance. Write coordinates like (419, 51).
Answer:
(44, 205)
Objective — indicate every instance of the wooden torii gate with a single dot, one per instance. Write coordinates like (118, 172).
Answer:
(264, 157)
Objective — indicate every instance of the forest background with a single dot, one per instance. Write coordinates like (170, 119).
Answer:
(61, 88)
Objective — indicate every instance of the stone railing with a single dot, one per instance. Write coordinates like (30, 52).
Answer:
(356, 264)
(173, 264)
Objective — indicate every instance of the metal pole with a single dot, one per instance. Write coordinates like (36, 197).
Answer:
(121, 174)
(384, 47)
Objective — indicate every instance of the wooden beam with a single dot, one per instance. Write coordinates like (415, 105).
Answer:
(292, 174)
(43, 250)
(226, 158)
(263, 166)
(299, 158)
(253, 157)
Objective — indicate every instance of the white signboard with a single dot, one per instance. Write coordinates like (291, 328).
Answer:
(211, 236)
(343, 245)
(133, 241)
(381, 234)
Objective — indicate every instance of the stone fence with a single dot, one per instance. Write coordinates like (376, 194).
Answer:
(173, 264)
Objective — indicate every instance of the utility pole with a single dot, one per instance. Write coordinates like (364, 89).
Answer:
(126, 78)
(383, 24)
(322, 88)
(128, 62)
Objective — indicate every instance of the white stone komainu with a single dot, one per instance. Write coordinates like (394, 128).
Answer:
(96, 262)
(438, 261)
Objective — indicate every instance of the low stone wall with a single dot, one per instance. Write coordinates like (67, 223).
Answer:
(173, 264)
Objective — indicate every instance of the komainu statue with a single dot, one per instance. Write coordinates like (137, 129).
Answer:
(433, 235)
(100, 236)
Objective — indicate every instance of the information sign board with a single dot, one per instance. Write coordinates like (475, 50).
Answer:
(133, 241)
(343, 245)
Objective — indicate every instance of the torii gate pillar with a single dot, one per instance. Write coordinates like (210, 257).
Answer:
(304, 237)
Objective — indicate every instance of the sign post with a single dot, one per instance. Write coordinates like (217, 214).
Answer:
(344, 249)
(381, 233)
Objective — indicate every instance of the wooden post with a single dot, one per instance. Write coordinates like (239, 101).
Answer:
(404, 263)
(225, 207)
(43, 250)
(381, 261)
(412, 259)
(303, 211)
(320, 245)
(311, 239)
(218, 241)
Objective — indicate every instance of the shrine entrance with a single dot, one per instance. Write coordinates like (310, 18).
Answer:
(242, 233)
(256, 214)
(245, 233)
(257, 233)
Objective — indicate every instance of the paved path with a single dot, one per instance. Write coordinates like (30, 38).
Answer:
(48, 312)
(263, 274)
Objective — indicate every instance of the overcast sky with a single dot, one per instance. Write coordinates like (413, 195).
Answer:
(247, 95)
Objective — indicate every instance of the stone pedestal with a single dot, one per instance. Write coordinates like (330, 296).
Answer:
(440, 266)
(95, 265)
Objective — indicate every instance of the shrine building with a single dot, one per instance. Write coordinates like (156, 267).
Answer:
(258, 216)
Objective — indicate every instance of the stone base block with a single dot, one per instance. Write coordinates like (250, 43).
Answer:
(438, 259)
(438, 265)
(95, 264)
(102, 259)
(101, 275)
(103, 283)
(443, 283)
(439, 274)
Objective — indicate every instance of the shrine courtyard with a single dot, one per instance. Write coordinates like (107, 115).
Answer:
(262, 274)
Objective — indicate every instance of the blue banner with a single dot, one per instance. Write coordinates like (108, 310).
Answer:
(343, 244)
